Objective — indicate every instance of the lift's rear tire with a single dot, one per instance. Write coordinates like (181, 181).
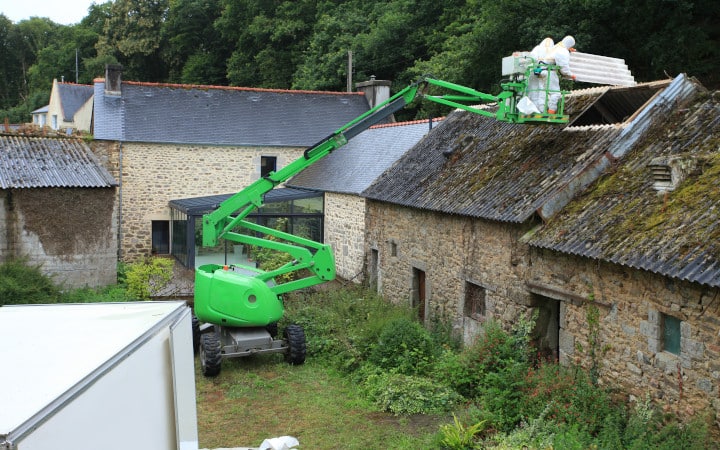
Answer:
(295, 337)
(210, 358)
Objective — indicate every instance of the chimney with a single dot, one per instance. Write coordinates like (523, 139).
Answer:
(376, 91)
(113, 80)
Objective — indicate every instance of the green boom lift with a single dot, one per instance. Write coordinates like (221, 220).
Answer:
(239, 306)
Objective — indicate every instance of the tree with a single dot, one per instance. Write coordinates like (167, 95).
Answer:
(195, 51)
(268, 39)
(132, 36)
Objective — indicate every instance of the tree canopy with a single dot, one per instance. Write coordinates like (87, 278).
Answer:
(304, 44)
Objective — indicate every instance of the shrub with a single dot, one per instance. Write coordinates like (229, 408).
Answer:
(341, 325)
(647, 429)
(570, 395)
(21, 283)
(405, 347)
(407, 394)
(500, 362)
(147, 277)
(90, 295)
(457, 436)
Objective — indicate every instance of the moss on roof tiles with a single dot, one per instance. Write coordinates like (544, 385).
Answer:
(622, 218)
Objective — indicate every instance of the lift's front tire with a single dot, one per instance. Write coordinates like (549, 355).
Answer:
(210, 358)
(295, 337)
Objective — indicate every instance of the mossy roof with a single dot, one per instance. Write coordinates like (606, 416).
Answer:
(622, 219)
(476, 166)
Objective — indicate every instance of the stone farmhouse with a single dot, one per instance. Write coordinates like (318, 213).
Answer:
(344, 175)
(177, 142)
(57, 209)
(606, 228)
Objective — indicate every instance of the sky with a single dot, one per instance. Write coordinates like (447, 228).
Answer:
(65, 12)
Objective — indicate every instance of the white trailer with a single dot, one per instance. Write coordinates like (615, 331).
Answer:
(100, 376)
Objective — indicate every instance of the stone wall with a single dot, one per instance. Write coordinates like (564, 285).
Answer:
(154, 174)
(345, 232)
(631, 305)
(457, 255)
(69, 232)
(460, 256)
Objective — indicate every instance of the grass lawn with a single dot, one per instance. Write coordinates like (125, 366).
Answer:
(263, 397)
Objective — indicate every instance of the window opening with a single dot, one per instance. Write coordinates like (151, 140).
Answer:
(671, 334)
(474, 301)
(616, 106)
(160, 237)
(393, 249)
(267, 164)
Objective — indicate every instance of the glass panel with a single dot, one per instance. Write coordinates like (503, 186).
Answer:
(671, 334)
(275, 208)
(309, 205)
(307, 227)
(160, 237)
(179, 236)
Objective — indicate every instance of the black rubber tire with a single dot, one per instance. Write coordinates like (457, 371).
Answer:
(210, 358)
(295, 338)
(195, 334)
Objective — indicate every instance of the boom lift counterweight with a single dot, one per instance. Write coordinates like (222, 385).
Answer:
(240, 305)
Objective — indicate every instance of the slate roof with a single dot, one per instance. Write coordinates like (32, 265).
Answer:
(353, 167)
(475, 166)
(37, 162)
(215, 115)
(72, 97)
(623, 220)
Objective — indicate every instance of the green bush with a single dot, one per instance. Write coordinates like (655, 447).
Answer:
(497, 365)
(405, 347)
(571, 396)
(407, 394)
(457, 436)
(21, 283)
(148, 277)
(341, 325)
(91, 295)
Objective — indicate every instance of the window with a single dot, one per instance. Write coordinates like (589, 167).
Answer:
(670, 334)
(54, 124)
(393, 249)
(474, 301)
(160, 237)
(267, 164)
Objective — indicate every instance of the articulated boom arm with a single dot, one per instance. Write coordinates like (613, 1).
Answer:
(315, 256)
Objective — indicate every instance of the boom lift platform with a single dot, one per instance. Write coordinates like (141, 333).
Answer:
(240, 306)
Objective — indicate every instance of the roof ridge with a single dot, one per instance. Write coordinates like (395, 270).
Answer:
(407, 122)
(70, 83)
(229, 88)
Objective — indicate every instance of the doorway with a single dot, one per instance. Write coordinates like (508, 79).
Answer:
(418, 293)
(546, 335)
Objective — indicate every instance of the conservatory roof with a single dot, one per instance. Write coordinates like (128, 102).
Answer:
(197, 206)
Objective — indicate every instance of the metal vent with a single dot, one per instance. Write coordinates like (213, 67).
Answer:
(669, 171)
